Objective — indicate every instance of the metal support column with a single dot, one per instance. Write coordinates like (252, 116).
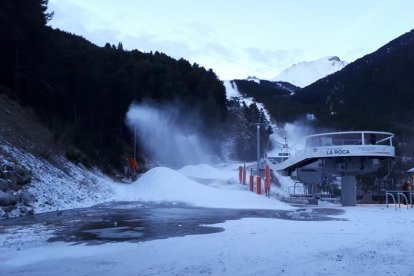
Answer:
(258, 149)
(348, 190)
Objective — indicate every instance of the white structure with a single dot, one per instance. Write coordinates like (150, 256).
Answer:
(346, 154)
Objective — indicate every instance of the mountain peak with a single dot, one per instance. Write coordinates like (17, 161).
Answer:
(334, 58)
(304, 73)
(253, 78)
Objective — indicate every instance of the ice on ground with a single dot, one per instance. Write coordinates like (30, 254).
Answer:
(370, 241)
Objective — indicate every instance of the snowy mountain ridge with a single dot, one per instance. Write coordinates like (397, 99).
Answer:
(253, 78)
(304, 73)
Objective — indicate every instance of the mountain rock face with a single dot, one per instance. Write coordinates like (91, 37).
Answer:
(305, 73)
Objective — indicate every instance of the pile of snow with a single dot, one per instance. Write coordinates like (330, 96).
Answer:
(163, 184)
(204, 171)
(223, 176)
(58, 184)
(305, 73)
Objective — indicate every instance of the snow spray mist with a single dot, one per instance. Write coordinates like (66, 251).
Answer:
(166, 136)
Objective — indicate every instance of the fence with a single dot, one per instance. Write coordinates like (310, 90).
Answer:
(396, 196)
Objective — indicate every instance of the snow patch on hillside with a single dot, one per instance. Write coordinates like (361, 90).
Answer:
(233, 92)
(59, 184)
(305, 73)
(254, 79)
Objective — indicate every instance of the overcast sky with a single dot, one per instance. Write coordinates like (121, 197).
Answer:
(238, 38)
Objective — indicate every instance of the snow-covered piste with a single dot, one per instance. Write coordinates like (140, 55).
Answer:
(163, 184)
(362, 240)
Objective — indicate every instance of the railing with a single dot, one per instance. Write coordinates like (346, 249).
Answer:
(302, 189)
(344, 138)
(397, 193)
(340, 144)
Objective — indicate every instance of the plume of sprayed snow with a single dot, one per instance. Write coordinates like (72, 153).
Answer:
(293, 132)
(166, 136)
(297, 130)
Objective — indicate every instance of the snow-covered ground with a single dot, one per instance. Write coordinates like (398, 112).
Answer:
(163, 184)
(58, 184)
(365, 240)
(70, 186)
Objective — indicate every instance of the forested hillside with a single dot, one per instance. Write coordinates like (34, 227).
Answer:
(83, 91)
(375, 92)
(276, 96)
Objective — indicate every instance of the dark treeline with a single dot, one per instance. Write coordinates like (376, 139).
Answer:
(276, 98)
(242, 128)
(375, 92)
(83, 91)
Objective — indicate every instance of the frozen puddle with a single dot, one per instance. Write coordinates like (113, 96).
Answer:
(143, 221)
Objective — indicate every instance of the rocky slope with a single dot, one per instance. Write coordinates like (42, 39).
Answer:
(34, 174)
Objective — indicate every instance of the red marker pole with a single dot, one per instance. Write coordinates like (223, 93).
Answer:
(244, 175)
(240, 174)
(267, 181)
(251, 183)
(259, 185)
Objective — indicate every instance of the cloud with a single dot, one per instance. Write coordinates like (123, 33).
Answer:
(272, 57)
(67, 16)
(188, 49)
(198, 30)
(267, 63)
(217, 50)
(151, 42)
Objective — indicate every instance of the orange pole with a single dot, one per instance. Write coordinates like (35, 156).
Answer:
(259, 185)
(267, 180)
(251, 183)
(240, 174)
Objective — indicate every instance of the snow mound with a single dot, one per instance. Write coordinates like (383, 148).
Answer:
(205, 171)
(163, 184)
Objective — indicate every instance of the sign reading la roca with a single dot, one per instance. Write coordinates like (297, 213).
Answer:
(337, 151)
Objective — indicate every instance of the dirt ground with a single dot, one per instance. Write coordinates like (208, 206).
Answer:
(21, 127)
